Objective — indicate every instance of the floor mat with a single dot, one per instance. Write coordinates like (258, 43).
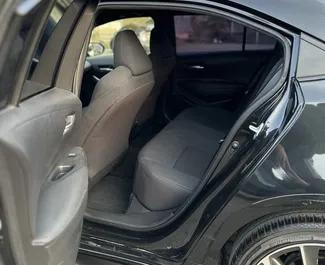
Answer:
(111, 194)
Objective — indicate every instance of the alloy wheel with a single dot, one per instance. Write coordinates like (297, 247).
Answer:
(299, 254)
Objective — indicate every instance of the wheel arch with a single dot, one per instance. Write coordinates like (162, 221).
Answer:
(236, 222)
(232, 221)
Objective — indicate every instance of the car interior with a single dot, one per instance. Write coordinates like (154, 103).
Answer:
(119, 117)
(158, 105)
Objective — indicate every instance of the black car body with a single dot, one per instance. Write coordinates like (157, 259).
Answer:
(263, 191)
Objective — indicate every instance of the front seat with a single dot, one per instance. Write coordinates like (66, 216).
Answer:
(116, 100)
(162, 55)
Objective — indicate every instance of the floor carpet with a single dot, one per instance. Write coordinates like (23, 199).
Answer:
(112, 193)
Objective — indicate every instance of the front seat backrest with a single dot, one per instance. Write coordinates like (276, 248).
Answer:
(162, 55)
(116, 100)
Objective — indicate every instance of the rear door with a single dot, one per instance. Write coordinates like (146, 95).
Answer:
(44, 175)
(217, 59)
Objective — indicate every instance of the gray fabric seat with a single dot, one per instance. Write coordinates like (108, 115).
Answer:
(117, 97)
(163, 62)
(173, 163)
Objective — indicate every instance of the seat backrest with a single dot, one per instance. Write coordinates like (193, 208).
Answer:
(116, 100)
(162, 55)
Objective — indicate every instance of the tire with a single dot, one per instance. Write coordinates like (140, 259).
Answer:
(277, 232)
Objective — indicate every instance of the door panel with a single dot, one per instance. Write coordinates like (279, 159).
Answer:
(44, 173)
(217, 60)
(214, 79)
(47, 174)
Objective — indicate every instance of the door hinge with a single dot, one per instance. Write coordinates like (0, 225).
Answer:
(256, 129)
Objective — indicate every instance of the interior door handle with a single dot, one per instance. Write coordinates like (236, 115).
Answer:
(69, 122)
(106, 69)
(95, 78)
(196, 67)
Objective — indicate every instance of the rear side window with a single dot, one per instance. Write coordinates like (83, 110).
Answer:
(202, 33)
(207, 34)
(256, 40)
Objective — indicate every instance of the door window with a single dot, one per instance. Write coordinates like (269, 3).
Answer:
(206, 34)
(102, 38)
(23, 40)
(56, 14)
(256, 40)
(200, 33)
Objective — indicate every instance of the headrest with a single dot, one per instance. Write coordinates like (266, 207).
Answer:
(129, 52)
(160, 44)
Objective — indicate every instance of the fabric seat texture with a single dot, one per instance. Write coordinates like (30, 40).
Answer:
(117, 97)
(173, 163)
(162, 56)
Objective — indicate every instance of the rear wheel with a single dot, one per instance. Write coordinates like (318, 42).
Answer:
(296, 238)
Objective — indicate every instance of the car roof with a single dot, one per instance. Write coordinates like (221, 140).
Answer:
(307, 15)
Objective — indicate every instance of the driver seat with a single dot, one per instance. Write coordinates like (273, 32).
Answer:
(117, 98)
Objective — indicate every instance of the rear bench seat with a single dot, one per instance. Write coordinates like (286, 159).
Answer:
(172, 164)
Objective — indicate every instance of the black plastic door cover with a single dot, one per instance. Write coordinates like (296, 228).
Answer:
(44, 175)
(209, 79)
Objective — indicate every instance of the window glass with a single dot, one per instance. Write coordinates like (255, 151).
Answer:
(202, 33)
(15, 53)
(29, 23)
(56, 14)
(58, 9)
(102, 38)
(256, 40)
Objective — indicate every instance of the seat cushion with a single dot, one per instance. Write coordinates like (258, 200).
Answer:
(173, 163)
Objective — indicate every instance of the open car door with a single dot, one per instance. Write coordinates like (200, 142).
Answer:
(44, 174)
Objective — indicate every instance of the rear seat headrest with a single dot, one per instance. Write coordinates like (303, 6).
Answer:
(129, 52)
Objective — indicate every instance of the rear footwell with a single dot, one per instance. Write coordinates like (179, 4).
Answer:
(111, 194)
